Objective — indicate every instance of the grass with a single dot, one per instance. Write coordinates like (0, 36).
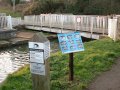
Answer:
(10, 12)
(24, 80)
(99, 56)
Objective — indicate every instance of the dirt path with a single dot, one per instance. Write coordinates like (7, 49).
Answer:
(109, 80)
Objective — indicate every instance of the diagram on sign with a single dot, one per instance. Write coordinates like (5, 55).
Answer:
(70, 42)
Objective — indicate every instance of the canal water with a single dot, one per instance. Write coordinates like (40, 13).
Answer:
(13, 58)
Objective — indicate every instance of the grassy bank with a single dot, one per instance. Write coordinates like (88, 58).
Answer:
(10, 12)
(98, 57)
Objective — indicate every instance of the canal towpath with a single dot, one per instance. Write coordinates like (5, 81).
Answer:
(109, 80)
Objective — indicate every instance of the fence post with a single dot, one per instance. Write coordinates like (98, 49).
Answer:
(112, 28)
(62, 23)
(91, 27)
(9, 22)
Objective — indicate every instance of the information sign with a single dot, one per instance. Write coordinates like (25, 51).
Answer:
(70, 42)
(46, 50)
(78, 19)
(36, 52)
(37, 68)
(36, 56)
(36, 45)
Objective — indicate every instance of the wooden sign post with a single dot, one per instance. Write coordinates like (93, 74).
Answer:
(71, 66)
(39, 47)
(70, 43)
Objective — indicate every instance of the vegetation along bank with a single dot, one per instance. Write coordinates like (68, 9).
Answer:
(99, 56)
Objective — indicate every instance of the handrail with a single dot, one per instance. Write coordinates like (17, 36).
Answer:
(70, 22)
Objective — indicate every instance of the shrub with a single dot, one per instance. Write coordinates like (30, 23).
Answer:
(11, 1)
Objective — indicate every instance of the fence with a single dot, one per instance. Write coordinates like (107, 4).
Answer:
(2, 14)
(7, 22)
(3, 21)
(16, 21)
(114, 28)
(90, 23)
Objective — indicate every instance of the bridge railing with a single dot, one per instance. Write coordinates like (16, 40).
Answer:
(2, 14)
(16, 21)
(97, 24)
(90, 23)
(3, 21)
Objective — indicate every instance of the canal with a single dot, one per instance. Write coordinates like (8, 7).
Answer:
(15, 57)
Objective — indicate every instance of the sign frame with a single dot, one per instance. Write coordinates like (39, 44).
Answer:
(69, 44)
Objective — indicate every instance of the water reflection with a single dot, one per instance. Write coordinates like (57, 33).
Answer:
(5, 62)
(11, 61)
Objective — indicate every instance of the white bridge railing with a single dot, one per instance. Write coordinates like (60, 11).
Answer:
(3, 21)
(90, 23)
(8, 22)
(16, 21)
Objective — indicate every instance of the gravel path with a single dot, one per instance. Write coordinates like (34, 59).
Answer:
(109, 80)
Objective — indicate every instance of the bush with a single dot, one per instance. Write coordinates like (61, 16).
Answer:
(98, 7)
(44, 7)
(11, 1)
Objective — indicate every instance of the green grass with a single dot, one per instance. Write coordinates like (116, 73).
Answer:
(20, 80)
(98, 57)
(10, 12)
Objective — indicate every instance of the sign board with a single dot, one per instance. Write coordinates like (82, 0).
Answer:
(39, 48)
(36, 45)
(36, 52)
(39, 51)
(36, 56)
(37, 68)
(78, 19)
(46, 50)
(70, 42)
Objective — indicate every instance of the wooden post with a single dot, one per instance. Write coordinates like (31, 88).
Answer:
(42, 82)
(71, 66)
(91, 27)
(39, 47)
(9, 22)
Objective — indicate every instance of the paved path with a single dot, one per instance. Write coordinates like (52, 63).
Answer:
(109, 80)
(11, 62)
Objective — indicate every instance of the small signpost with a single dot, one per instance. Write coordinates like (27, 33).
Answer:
(39, 47)
(70, 43)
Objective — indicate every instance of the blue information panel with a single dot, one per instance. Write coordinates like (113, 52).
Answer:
(70, 42)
